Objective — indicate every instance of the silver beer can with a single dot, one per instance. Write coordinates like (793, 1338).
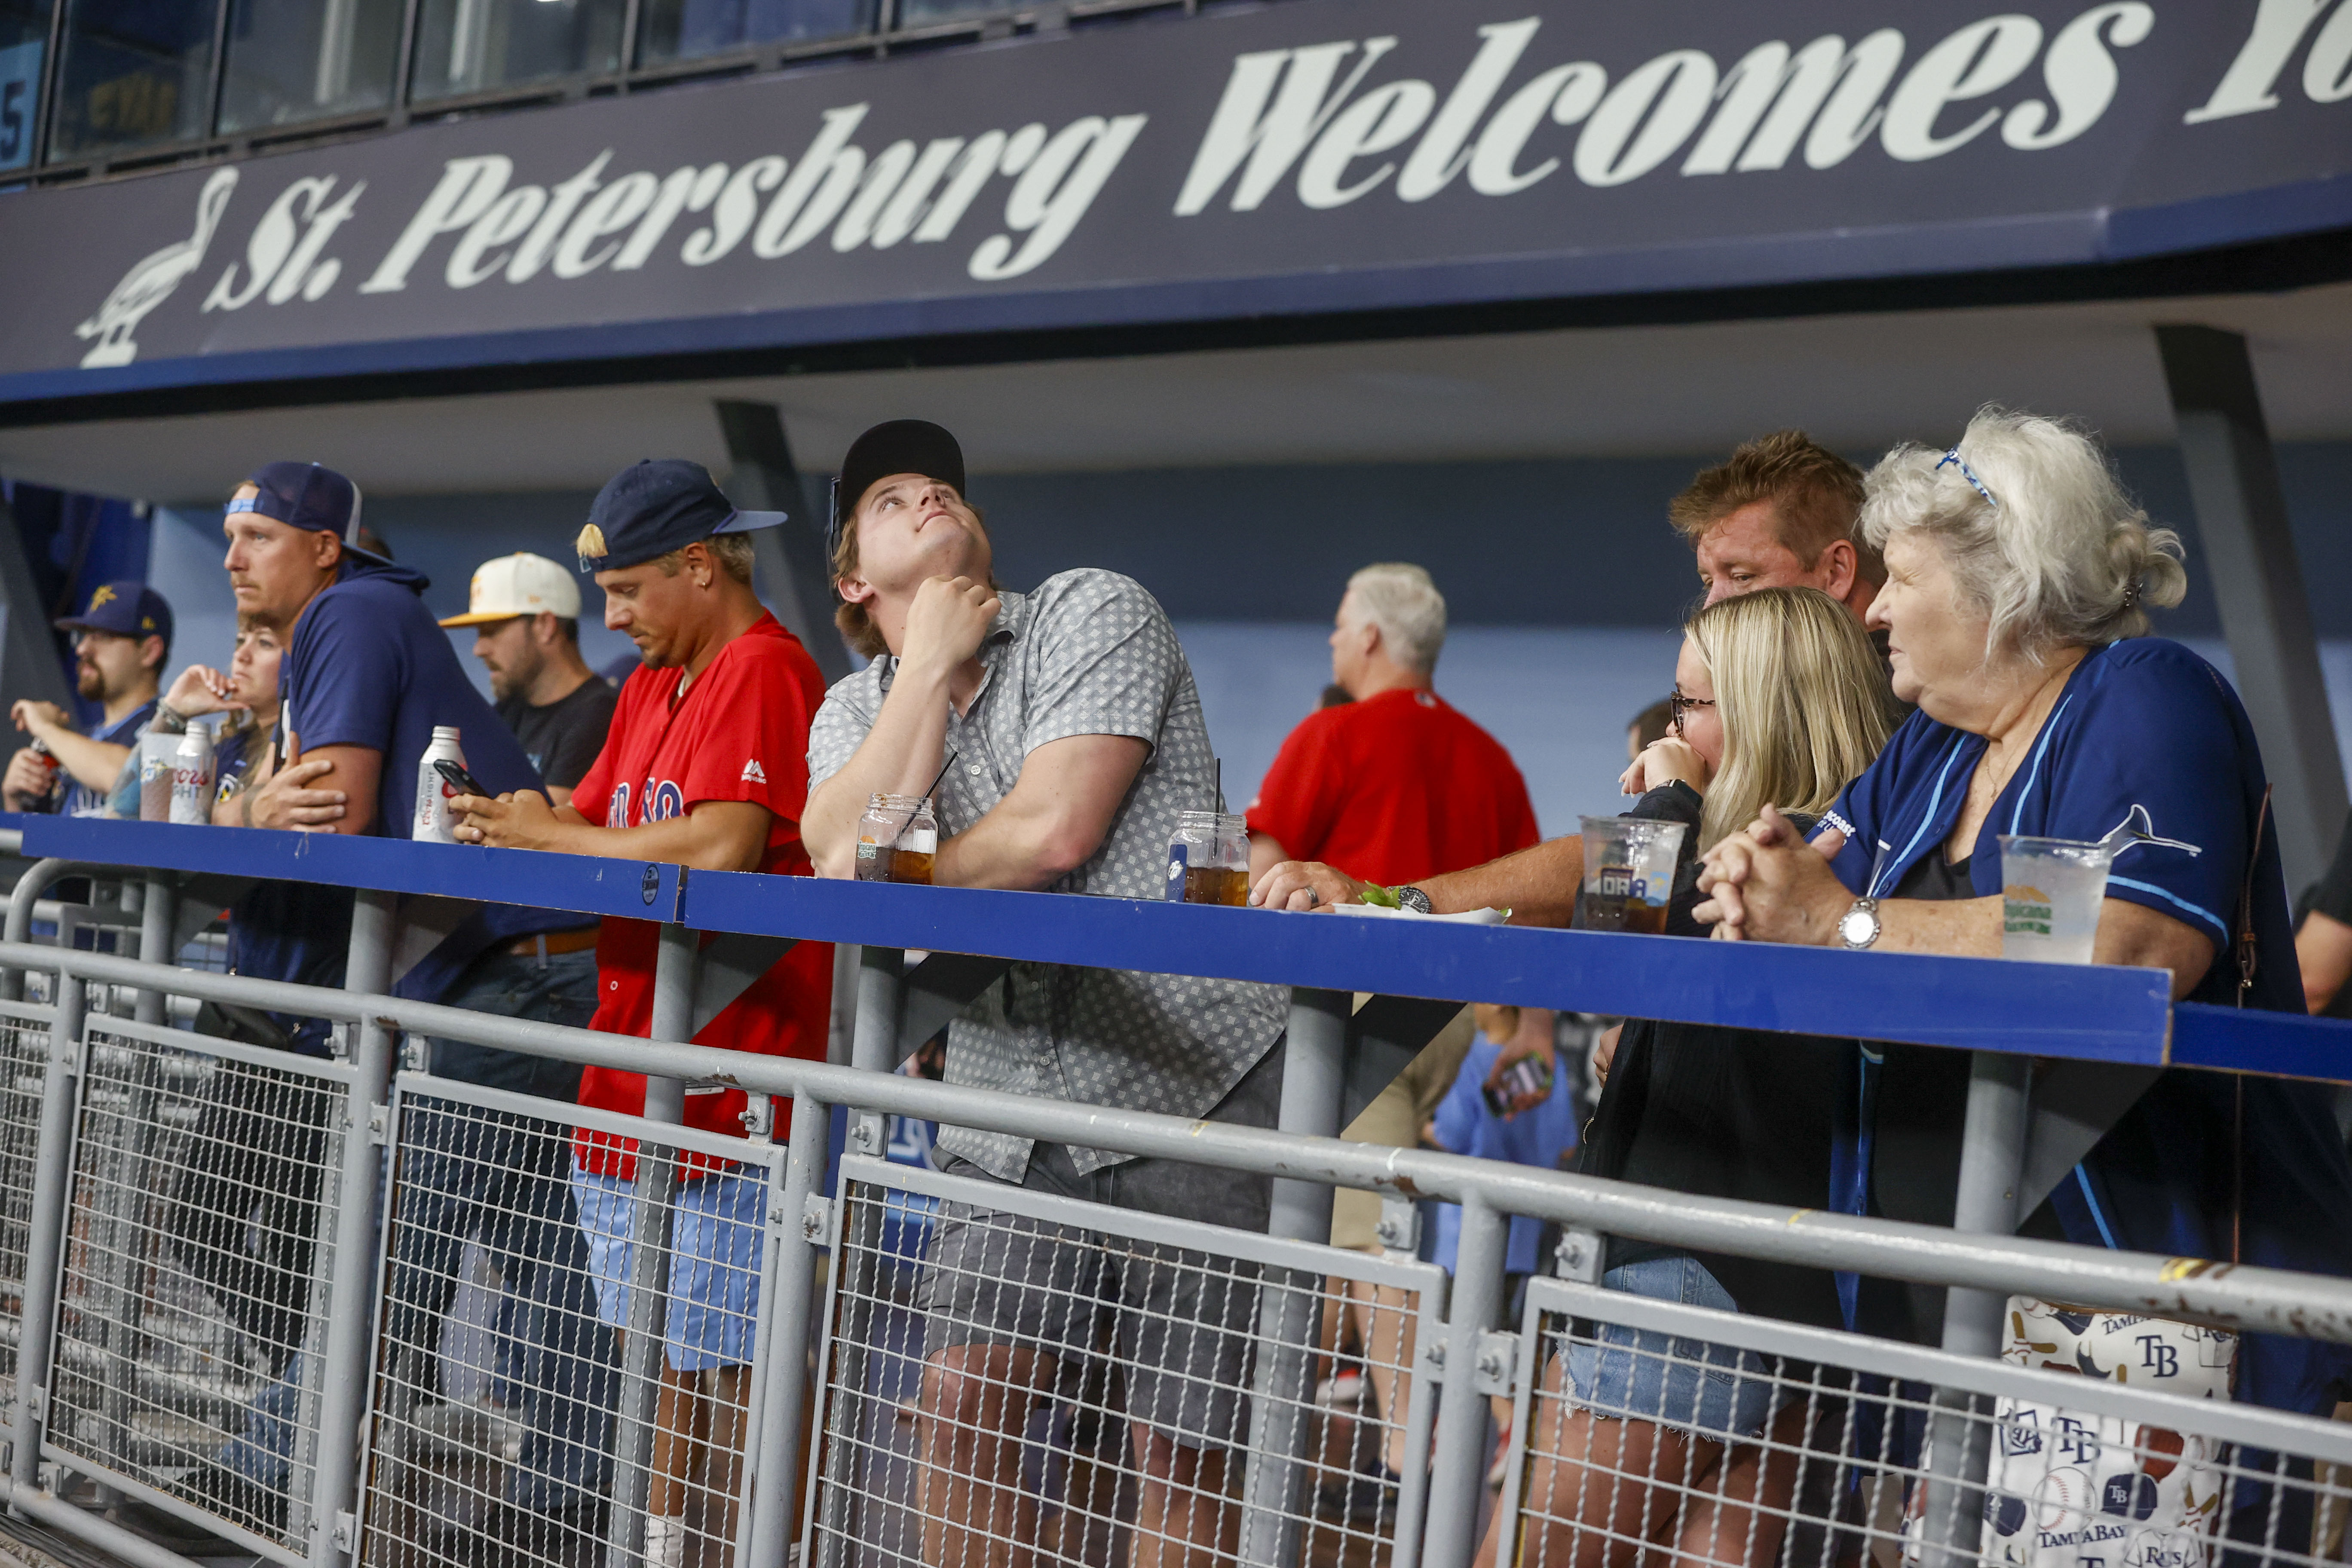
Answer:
(191, 778)
(435, 822)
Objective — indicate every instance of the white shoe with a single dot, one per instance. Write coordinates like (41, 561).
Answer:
(665, 1542)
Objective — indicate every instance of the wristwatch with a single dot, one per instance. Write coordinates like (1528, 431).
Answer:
(1859, 927)
(1412, 898)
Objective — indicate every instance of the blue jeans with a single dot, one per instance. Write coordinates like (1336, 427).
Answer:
(1676, 1382)
(469, 1175)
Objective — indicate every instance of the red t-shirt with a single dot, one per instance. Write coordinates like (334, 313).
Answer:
(739, 732)
(1393, 789)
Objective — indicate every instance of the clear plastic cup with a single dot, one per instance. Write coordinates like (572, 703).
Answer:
(155, 754)
(2050, 891)
(1629, 873)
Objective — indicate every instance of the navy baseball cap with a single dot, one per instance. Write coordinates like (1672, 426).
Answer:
(654, 506)
(309, 496)
(129, 609)
(895, 446)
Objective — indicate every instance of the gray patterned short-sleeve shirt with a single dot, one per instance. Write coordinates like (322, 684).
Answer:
(1088, 653)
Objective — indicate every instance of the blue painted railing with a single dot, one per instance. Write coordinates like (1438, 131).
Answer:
(2096, 1012)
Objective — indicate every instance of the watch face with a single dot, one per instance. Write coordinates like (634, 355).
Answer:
(1858, 928)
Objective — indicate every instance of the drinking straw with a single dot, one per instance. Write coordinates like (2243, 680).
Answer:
(943, 774)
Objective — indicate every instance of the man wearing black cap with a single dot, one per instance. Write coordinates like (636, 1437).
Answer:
(120, 642)
(705, 765)
(366, 677)
(1065, 733)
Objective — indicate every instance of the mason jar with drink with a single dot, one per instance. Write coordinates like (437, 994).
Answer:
(1629, 873)
(1208, 859)
(897, 839)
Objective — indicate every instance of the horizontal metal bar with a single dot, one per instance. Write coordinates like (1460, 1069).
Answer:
(2224, 1421)
(585, 883)
(154, 1497)
(2249, 1040)
(1160, 1230)
(326, 1072)
(2267, 1300)
(82, 1525)
(685, 1140)
(2094, 1013)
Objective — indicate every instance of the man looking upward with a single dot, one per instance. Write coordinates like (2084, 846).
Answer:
(120, 642)
(1075, 736)
(528, 610)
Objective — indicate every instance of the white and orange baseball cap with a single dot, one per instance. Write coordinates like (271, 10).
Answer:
(519, 584)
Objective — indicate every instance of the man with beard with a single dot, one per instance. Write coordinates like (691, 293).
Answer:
(526, 610)
(120, 642)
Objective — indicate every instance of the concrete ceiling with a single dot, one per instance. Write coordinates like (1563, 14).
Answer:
(1856, 382)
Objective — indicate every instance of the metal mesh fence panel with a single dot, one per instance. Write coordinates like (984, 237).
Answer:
(1011, 1377)
(23, 1064)
(1653, 1432)
(510, 1420)
(198, 1235)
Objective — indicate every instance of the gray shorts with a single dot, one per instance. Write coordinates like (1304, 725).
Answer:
(1179, 1322)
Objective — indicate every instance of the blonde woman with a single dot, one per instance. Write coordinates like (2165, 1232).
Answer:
(1780, 699)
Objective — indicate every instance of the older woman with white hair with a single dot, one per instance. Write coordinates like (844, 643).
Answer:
(2019, 578)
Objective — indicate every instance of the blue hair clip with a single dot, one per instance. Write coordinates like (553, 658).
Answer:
(1952, 458)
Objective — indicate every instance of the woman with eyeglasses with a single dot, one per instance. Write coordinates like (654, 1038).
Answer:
(1780, 700)
(2019, 578)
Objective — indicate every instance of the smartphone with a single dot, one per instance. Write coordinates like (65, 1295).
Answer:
(1527, 1076)
(461, 781)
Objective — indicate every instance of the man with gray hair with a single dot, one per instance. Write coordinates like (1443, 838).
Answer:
(1392, 786)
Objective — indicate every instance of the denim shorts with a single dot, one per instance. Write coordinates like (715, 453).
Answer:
(1676, 1382)
(714, 1261)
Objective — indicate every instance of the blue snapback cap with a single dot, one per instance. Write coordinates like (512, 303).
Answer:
(654, 506)
(308, 496)
(128, 609)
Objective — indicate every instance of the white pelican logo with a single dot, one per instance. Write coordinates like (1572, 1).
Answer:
(150, 282)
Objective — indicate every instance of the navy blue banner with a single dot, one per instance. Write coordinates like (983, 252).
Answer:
(1311, 155)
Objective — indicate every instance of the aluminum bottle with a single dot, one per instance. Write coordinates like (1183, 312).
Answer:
(191, 778)
(436, 823)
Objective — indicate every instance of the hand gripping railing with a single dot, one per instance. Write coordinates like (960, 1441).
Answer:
(2107, 1027)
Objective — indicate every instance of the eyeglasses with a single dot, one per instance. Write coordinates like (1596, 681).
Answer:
(1952, 459)
(832, 521)
(1677, 705)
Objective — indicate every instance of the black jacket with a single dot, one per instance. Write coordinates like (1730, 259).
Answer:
(1722, 1113)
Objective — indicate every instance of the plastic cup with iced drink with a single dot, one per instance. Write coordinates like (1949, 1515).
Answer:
(155, 754)
(2050, 893)
(1629, 873)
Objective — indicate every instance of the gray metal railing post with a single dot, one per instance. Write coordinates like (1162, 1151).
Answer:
(342, 1382)
(1314, 1072)
(873, 1047)
(157, 921)
(873, 1041)
(45, 1241)
(39, 879)
(775, 1482)
(127, 1189)
(641, 1350)
(1992, 1155)
(1457, 1475)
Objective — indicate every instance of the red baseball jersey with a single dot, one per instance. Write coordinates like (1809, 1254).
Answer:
(739, 732)
(1393, 789)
